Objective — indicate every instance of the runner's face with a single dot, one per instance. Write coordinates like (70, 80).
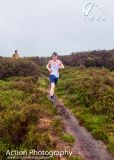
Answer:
(54, 58)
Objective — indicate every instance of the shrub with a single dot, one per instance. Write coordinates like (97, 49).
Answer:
(21, 67)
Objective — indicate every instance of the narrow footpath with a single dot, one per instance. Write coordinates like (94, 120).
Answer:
(85, 144)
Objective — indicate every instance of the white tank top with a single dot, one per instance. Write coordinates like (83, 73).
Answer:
(55, 68)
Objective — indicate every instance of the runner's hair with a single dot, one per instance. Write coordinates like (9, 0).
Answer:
(54, 54)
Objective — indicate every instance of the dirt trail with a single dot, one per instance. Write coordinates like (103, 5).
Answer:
(85, 144)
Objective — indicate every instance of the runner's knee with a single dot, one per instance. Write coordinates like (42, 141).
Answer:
(52, 85)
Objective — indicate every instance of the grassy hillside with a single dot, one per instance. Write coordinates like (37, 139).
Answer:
(89, 93)
(28, 119)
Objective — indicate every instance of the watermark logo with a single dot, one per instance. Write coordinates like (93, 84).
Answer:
(36, 154)
(93, 12)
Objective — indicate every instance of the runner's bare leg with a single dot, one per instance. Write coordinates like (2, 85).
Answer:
(52, 89)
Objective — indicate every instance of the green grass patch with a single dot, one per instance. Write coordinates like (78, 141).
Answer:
(67, 138)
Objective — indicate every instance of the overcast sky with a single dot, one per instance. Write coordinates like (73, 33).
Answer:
(39, 27)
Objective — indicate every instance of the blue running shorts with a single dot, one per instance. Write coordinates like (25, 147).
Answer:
(53, 79)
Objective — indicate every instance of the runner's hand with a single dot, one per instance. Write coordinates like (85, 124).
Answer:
(50, 70)
(61, 67)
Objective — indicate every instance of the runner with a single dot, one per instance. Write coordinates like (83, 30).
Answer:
(53, 67)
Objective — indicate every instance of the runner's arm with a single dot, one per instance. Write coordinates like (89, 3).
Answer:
(48, 66)
(61, 65)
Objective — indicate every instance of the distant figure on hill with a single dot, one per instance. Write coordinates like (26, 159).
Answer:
(15, 55)
(53, 67)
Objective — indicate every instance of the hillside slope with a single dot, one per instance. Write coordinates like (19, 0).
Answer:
(89, 94)
(28, 120)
